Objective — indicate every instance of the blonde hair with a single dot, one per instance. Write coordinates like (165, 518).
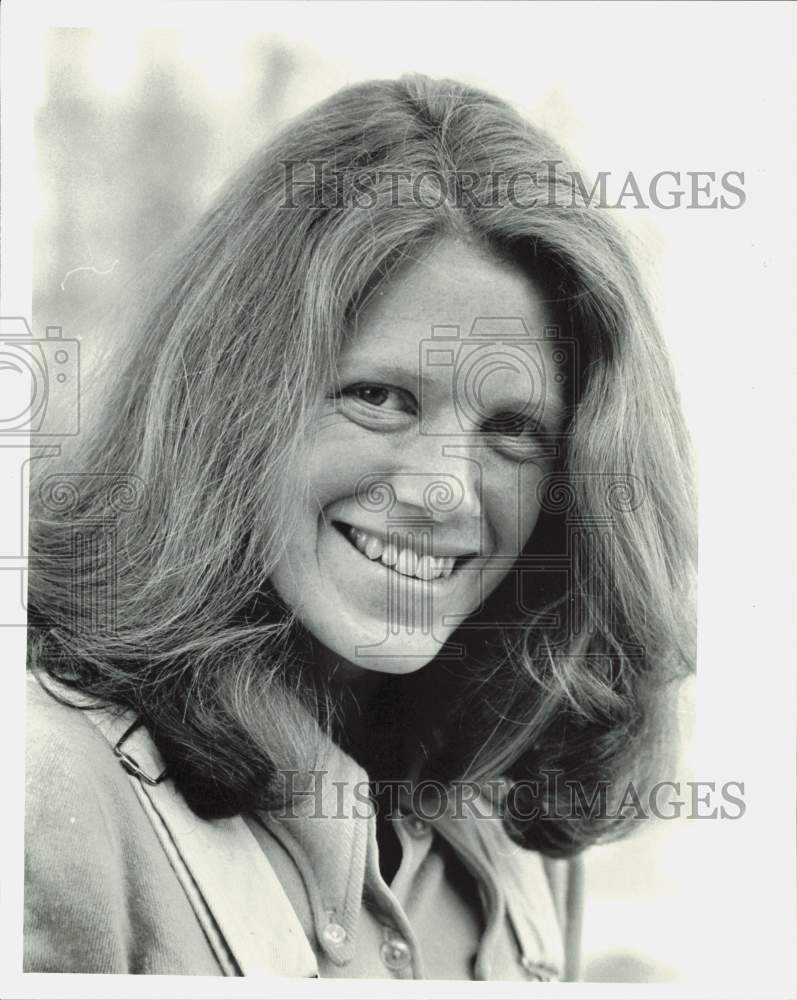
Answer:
(204, 405)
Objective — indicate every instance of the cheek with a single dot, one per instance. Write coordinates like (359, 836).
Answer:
(335, 463)
(530, 505)
(514, 505)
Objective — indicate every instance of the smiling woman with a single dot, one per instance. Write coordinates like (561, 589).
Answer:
(360, 577)
(382, 516)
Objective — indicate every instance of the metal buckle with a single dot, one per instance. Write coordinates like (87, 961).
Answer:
(129, 764)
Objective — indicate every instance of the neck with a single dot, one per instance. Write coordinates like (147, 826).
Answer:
(375, 718)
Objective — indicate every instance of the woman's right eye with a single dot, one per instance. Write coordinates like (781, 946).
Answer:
(376, 398)
(384, 396)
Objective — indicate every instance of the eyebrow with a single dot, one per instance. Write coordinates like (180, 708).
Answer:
(394, 371)
(387, 369)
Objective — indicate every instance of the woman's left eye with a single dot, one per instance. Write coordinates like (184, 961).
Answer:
(511, 424)
(519, 436)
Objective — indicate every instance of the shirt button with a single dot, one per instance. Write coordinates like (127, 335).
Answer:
(537, 970)
(396, 953)
(417, 827)
(334, 934)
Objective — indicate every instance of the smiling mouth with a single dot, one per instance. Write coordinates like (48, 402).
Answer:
(402, 559)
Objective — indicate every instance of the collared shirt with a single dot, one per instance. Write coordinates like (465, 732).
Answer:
(122, 876)
(448, 912)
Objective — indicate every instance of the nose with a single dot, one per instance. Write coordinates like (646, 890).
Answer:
(440, 481)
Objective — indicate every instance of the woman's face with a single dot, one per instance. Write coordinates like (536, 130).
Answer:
(420, 475)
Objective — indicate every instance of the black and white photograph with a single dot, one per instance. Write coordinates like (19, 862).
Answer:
(398, 418)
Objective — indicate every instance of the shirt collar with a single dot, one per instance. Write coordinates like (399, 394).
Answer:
(330, 832)
(326, 832)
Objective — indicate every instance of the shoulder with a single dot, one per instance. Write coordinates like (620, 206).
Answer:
(77, 797)
(58, 728)
(80, 814)
(68, 761)
(70, 767)
(101, 892)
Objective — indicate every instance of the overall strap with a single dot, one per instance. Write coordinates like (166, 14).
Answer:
(566, 878)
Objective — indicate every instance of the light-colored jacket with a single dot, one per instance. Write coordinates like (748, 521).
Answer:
(122, 877)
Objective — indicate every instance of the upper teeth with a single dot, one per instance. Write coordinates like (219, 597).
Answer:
(403, 560)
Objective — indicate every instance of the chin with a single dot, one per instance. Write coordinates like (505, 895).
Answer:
(366, 610)
(394, 660)
(369, 645)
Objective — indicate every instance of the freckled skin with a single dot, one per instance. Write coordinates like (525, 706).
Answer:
(382, 423)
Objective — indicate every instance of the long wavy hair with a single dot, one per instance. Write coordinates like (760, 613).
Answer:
(153, 536)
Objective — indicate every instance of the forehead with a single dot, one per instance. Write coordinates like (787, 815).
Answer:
(462, 324)
(455, 286)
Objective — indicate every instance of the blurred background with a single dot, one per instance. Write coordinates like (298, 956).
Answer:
(136, 128)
